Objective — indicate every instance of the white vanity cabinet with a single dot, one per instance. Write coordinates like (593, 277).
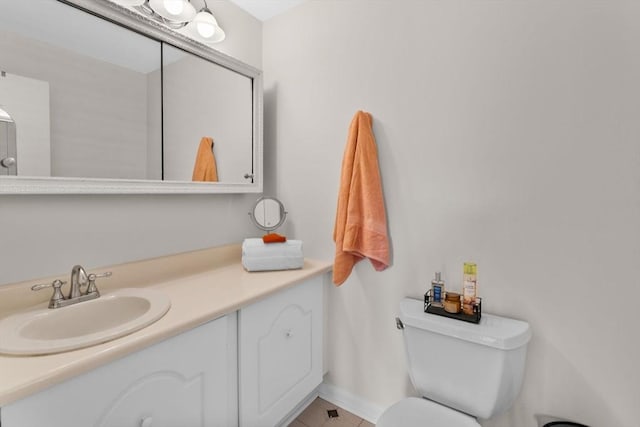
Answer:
(280, 353)
(251, 368)
(186, 381)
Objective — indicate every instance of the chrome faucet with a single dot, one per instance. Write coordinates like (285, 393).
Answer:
(79, 278)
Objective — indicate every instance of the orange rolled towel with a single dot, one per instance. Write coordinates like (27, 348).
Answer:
(273, 238)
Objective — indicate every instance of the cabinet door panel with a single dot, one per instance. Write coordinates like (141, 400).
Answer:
(280, 353)
(285, 355)
(186, 381)
(164, 399)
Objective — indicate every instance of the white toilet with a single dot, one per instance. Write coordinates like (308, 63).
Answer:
(463, 370)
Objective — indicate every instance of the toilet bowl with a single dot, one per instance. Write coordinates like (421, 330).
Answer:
(464, 371)
(414, 412)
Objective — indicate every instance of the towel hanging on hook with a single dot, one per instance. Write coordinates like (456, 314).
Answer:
(361, 224)
(205, 168)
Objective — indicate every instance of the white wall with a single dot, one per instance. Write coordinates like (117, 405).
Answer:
(244, 32)
(508, 135)
(47, 235)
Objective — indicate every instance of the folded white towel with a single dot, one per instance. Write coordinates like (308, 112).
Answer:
(272, 264)
(260, 256)
(256, 248)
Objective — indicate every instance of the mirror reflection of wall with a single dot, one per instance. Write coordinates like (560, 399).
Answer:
(203, 99)
(98, 90)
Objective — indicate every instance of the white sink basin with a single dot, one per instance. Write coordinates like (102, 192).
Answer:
(112, 315)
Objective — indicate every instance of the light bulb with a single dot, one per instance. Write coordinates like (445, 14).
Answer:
(174, 7)
(206, 30)
(205, 24)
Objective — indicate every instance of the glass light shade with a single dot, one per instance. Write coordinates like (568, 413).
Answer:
(130, 2)
(173, 10)
(174, 7)
(191, 31)
(206, 24)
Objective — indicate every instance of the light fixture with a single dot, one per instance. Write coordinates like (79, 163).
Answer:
(173, 7)
(180, 15)
(204, 27)
(173, 12)
(131, 2)
(205, 23)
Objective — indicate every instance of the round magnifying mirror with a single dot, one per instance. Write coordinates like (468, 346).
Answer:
(268, 213)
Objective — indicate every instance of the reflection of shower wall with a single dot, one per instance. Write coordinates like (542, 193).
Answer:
(27, 101)
(98, 111)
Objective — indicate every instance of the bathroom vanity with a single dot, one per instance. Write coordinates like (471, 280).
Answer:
(236, 348)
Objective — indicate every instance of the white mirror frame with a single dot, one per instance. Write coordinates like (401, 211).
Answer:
(55, 185)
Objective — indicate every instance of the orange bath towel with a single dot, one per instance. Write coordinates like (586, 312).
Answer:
(205, 168)
(361, 223)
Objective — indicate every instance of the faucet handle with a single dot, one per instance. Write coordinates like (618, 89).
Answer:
(57, 293)
(94, 276)
(91, 289)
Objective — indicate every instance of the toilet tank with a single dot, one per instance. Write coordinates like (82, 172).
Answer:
(474, 368)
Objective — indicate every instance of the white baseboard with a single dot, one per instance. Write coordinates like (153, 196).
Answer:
(350, 402)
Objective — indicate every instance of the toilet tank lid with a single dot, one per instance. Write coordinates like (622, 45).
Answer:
(493, 331)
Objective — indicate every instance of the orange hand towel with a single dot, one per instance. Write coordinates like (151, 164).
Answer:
(274, 238)
(361, 224)
(205, 168)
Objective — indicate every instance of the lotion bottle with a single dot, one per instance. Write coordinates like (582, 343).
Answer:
(469, 287)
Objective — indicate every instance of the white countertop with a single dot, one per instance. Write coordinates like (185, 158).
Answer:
(203, 285)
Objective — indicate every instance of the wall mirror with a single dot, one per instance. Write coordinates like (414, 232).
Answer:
(104, 100)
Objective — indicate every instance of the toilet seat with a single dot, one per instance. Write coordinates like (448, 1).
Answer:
(416, 412)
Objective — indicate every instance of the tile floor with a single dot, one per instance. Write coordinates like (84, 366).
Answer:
(317, 415)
